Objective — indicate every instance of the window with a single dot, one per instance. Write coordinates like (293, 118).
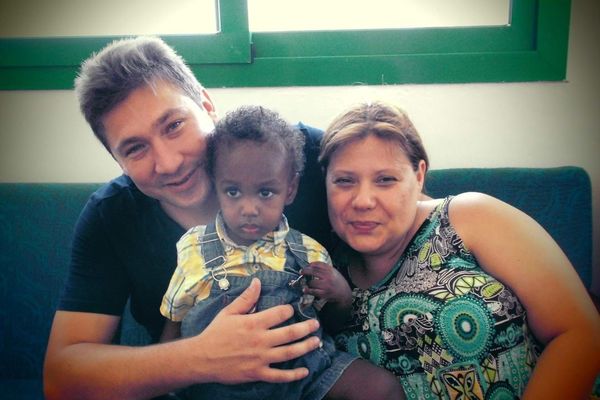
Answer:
(530, 46)
(312, 15)
(35, 18)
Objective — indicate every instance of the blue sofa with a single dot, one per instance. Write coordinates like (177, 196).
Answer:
(36, 223)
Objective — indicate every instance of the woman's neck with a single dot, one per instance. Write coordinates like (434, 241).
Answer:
(368, 273)
(372, 268)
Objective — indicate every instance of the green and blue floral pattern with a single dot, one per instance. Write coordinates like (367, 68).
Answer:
(441, 324)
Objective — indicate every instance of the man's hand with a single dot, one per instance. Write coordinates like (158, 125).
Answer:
(236, 347)
(240, 347)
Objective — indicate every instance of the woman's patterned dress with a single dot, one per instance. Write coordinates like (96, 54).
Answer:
(442, 325)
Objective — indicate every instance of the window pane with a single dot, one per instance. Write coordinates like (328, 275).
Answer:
(306, 15)
(31, 18)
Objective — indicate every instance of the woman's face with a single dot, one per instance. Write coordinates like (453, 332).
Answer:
(372, 193)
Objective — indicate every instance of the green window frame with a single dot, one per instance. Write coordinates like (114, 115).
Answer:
(533, 47)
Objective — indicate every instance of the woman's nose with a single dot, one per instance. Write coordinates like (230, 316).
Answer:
(363, 198)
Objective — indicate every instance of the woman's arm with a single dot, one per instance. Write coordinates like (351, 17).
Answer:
(236, 347)
(516, 250)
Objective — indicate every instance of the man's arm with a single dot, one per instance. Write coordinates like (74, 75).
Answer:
(236, 347)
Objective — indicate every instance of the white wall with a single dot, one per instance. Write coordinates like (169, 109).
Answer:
(44, 139)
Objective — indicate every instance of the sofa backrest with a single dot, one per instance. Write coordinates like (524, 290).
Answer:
(559, 199)
(37, 220)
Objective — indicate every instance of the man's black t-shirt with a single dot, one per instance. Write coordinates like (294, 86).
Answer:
(124, 244)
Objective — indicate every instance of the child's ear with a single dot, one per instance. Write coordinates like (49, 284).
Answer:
(292, 189)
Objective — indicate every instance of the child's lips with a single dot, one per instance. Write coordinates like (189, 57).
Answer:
(250, 228)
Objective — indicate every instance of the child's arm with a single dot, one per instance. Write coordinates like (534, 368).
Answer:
(326, 283)
(171, 331)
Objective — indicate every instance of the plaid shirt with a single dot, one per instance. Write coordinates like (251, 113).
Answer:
(191, 282)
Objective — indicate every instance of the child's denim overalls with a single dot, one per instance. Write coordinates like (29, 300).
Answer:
(325, 364)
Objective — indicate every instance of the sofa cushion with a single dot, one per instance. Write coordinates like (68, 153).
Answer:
(36, 224)
(21, 389)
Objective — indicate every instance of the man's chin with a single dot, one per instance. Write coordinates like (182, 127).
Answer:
(181, 203)
(187, 202)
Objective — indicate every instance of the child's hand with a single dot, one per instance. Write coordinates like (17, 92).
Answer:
(326, 283)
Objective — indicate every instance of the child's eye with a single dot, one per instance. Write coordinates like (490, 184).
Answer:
(265, 193)
(232, 192)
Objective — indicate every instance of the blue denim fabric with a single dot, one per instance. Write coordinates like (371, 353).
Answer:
(325, 364)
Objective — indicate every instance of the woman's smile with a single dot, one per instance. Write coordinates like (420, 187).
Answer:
(363, 227)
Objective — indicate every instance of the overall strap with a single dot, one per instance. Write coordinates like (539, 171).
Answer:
(211, 247)
(296, 257)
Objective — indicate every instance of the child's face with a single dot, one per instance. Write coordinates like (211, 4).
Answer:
(253, 182)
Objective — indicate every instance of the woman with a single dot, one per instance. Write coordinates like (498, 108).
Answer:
(464, 297)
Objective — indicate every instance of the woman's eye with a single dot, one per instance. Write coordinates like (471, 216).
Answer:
(342, 181)
(387, 180)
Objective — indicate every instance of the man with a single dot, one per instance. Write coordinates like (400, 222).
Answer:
(149, 111)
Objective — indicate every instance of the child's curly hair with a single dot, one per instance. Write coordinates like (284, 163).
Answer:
(261, 125)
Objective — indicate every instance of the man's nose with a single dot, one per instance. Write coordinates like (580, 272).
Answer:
(167, 159)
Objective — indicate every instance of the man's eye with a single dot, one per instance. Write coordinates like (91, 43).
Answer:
(173, 126)
(134, 150)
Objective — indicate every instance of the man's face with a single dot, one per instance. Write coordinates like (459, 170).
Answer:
(158, 137)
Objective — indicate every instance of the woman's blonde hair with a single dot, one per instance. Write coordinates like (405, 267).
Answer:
(379, 119)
